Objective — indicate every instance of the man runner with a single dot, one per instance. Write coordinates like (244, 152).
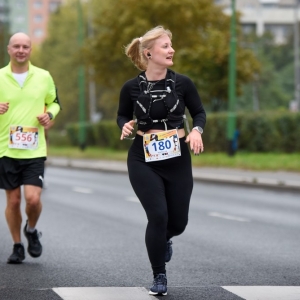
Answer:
(25, 90)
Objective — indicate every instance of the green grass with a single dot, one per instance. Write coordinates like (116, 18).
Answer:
(250, 161)
(247, 161)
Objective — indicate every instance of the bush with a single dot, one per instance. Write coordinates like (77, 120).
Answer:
(259, 132)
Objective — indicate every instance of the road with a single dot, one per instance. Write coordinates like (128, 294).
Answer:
(240, 242)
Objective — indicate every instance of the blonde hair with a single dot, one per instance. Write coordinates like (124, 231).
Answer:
(135, 50)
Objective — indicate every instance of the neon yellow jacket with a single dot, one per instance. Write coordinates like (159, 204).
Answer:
(37, 95)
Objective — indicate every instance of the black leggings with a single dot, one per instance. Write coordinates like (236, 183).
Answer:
(164, 189)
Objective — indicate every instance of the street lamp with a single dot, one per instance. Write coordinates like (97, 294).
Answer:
(81, 82)
(296, 56)
(231, 123)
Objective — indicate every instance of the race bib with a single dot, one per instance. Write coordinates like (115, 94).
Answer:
(23, 137)
(161, 145)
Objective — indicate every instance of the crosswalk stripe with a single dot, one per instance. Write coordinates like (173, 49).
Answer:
(102, 293)
(141, 293)
(265, 292)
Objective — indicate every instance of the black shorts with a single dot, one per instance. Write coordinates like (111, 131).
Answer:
(16, 172)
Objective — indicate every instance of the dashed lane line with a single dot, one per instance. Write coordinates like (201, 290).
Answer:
(82, 190)
(133, 199)
(228, 217)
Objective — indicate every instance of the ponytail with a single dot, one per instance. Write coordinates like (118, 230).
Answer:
(135, 50)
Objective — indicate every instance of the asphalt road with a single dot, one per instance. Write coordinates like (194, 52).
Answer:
(93, 237)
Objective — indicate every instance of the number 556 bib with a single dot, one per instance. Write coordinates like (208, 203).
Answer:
(161, 145)
(23, 137)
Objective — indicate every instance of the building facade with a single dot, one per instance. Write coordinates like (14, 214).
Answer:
(259, 16)
(31, 17)
(39, 12)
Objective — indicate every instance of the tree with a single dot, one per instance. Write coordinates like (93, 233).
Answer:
(200, 37)
(3, 44)
(60, 55)
(274, 86)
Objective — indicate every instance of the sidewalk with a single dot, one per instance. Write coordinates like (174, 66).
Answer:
(280, 179)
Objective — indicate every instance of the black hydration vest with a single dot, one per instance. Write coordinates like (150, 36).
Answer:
(175, 109)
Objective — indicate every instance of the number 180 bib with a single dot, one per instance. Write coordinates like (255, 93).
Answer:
(161, 145)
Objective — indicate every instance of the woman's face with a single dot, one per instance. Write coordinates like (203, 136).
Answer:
(162, 52)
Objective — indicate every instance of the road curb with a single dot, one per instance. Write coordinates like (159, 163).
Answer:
(202, 175)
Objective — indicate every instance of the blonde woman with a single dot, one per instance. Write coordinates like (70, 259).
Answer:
(159, 161)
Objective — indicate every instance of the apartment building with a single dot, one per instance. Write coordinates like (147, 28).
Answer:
(38, 13)
(3, 12)
(259, 16)
(30, 17)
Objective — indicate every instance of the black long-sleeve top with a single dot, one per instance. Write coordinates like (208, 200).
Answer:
(186, 92)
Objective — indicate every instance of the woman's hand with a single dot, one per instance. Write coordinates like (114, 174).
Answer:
(127, 129)
(195, 140)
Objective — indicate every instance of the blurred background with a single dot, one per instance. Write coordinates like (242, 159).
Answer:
(242, 55)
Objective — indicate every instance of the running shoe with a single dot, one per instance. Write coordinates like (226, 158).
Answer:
(169, 251)
(159, 286)
(18, 254)
(34, 246)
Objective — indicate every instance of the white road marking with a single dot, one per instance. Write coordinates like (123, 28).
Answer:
(82, 190)
(227, 217)
(103, 293)
(265, 292)
(133, 199)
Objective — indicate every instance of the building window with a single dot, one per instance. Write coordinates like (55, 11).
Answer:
(38, 18)
(53, 6)
(280, 32)
(249, 6)
(20, 19)
(37, 4)
(249, 28)
(38, 32)
(20, 4)
(269, 3)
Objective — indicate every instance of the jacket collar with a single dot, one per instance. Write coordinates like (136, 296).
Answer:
(9, 71)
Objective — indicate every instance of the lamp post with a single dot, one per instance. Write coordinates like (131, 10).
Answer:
(94, 115)
(296, 56)
(231, 122)
(81, 82)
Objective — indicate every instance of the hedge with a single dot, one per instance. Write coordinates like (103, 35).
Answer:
(259, 132)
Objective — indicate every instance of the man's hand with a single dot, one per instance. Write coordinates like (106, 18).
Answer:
(4, 107)
(44, 119)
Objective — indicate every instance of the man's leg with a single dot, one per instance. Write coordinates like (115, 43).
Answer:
(33, 204)
(14, 220)
(13, 213)
(33, 211)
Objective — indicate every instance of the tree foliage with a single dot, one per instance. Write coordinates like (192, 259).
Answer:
(60, 55)
(200, 38)
(3, 45)
(274, 86)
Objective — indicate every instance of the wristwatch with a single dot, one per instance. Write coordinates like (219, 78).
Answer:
(50, 115)
(199, 129)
